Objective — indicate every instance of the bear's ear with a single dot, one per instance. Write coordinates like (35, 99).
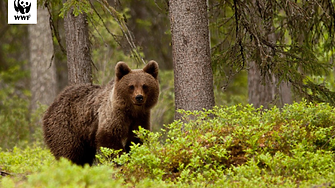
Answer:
(152, 68)
(121, 69)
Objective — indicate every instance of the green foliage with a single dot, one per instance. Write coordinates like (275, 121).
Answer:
(78, 7)
(65, 174)
(236, 146)
(38, 168)
(25, 161)
(106, 155)
(106, 37)
(273, 34)
(13, 107)
(240, 145)
(234, 90)
(163, 112)
(120, 19)
(18, 124)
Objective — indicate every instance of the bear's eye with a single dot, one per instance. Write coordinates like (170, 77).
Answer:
(131, 87)
(145, 87)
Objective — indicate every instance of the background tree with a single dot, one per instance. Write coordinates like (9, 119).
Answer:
(193, 78)
(262, 89)
(295, 54)
(265, 90)
(43, 85)
(78, 47)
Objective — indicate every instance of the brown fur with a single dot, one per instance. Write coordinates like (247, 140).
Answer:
(86, 117)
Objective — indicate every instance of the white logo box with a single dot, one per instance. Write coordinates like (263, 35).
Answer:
(22, 11)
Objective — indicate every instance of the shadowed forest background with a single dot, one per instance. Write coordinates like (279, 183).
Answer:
(265, 53)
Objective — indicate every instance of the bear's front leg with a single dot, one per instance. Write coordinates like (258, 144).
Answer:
(110, 140)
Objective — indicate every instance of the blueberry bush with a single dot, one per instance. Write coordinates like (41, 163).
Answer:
(235, 146)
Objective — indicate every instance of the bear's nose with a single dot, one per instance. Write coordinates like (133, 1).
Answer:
(139, 98)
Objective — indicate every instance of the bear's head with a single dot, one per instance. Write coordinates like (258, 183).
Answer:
(138, 88)
(22, 6)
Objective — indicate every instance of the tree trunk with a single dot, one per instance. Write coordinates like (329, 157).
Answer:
(193, 77)
(285, 94)
(265, 91)
(78, 48)
(43, 71)
(261, 90)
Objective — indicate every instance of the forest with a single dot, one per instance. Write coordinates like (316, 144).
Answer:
(247, 91)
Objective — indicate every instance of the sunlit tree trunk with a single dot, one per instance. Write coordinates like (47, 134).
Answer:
(78, 48)
(42, 68)
(193, 77)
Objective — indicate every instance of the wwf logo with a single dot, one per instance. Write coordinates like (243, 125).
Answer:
(22, 6)
(23, 11)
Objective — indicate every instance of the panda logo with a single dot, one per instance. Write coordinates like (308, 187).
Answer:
(22, 6)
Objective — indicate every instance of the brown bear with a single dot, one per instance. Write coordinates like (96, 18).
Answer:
(85, 117)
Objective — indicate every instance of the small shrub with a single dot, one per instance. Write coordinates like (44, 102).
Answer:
(293, 144)
(66, 174)
(25, 161)
(236, 146)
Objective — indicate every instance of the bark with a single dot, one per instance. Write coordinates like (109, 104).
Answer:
(265, 91)
(193, 77)
(261, 90)
(78, 48)
(42, 68)
(285, 94)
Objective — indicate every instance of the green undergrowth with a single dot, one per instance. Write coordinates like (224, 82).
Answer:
(236, 146)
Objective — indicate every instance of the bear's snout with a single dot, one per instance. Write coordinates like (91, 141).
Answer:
(139, 98)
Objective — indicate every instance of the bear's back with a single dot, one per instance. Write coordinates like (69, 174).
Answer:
(72, 119)
(74, 103)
